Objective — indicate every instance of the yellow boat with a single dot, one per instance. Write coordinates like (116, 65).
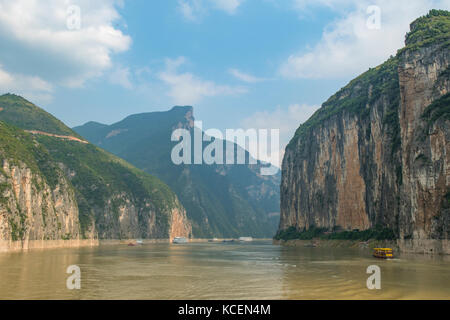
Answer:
(383, 253)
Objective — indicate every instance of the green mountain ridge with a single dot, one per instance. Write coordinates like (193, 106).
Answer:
(220, 200)
(23, 114)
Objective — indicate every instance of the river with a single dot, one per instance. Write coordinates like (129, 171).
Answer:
(257, 270)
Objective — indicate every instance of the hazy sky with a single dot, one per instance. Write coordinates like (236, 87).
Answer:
(240, 63)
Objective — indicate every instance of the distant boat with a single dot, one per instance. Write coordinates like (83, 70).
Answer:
(180, 240)
(140, 242)
(246, 239)
(383, 253)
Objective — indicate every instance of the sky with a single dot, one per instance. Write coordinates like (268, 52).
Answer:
(263, 64)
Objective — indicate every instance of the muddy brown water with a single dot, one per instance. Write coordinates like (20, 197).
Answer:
(257, 270)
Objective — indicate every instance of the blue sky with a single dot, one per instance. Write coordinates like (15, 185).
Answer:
(240, 63)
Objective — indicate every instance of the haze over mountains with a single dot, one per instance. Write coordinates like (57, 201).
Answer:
(220, 200)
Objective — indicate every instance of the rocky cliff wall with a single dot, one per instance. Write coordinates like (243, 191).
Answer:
(34, 215)
(344, 171)
(31, 210)
(377, 152)
(423, 76)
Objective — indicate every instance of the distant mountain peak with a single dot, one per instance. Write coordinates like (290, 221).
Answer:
(220, 200)
(21, 113)
(188, 113)
(95, 123)
(9, 94)
(14, 98)
(183, 108)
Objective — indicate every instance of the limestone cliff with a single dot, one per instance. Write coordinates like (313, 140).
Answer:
(179, 225)
(377, 152)
(31, 210)
(424, 79)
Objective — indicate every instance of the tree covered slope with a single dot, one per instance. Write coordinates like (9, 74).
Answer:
(112, 198)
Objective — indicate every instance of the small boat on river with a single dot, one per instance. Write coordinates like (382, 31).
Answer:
(383, 253)
(180, 240)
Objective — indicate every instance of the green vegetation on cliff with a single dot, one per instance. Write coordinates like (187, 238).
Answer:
(439, 109)
(21, 113)
(21, 150)
(103, 183)
(356, 98)
(19, 147)
(98, 175)
(431, 28)
(377, 233)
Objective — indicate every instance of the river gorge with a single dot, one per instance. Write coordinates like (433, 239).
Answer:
(258, 270)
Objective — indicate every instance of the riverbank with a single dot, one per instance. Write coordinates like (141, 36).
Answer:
(11, 246)
(439, 247)
(404, 246)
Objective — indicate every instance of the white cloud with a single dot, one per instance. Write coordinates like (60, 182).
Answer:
(186, 88)
(32, 87)
(348, 47)
(229, 6)
(194, 10)
(121, 76)
(143, 71)
(190, 10)
(287, 120)
(245, 76)
(37, 44)
(304, 5)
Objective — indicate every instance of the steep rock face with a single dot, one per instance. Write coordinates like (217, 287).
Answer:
(31, 210)
(423, 75)
(341, 171)
(133, 219)
(178, 223)
(377, 152)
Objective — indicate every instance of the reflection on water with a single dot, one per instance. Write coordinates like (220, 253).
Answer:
(257, 270)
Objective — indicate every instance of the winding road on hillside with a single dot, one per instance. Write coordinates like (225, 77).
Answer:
(70, 138)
